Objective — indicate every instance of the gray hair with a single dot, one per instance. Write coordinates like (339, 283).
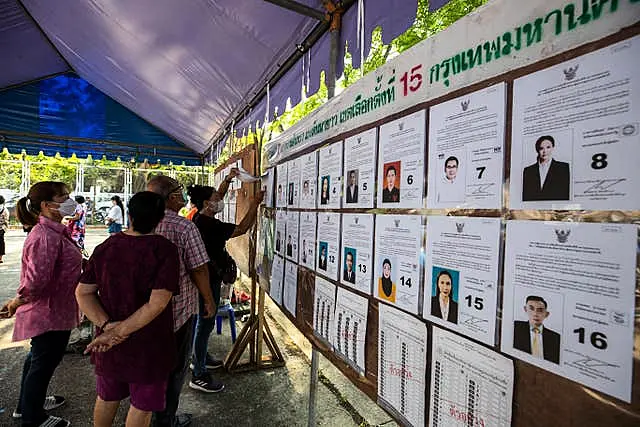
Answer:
(162, 185)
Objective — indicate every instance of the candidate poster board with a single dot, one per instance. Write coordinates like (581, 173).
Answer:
(293, 183)
(309, 180)
(330, 176)
(402, 364)
(357, 252)
(576, 133)
(290, 287)
(277, 277)
(401, 152)
(398, 245)
(324, 307)
(281, 185)
(349, 334)
(291, 246)
(360, 170)
(466, 150)
(471, 385)
(568, 301)
(281, 232)
(461, 274)
(266, 185)
(328, 245)
(308, 222)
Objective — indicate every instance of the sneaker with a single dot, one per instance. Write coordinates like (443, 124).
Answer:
(213, 363)
(55, 422)
(50, 402)
(206, 384)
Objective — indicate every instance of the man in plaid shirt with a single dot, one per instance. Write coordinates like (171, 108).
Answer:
(194, 277)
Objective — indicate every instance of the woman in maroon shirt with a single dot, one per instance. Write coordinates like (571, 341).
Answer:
(125, 291)
(45, 307)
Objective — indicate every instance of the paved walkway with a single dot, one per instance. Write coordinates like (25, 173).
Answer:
(277, 397)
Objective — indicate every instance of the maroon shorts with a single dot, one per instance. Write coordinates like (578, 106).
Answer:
(145, 397)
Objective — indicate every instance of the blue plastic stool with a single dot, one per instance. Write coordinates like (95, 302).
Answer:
(228, 312)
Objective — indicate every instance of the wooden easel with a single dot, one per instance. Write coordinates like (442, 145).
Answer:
(256, 330)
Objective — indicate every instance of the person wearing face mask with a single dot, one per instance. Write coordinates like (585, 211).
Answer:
(4, 226)
(115, 217)
(45, 306)
(215, 234)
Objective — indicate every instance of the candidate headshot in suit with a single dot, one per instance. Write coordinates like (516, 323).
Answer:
(289, 246)
(442, 304)
(322, 259)
(547, 178)
(533, 337)
(349, 275)
(324, 194)
(390, 193)
(352, 187)
(291, 191)
(304, 251)
(278, 236)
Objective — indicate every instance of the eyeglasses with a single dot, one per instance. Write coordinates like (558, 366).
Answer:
(536, 309)
(178, 188)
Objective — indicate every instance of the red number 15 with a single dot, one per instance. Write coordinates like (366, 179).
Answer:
(413, 82)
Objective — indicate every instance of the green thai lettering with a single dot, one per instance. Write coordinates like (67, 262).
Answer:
(557, 14)
(570, 11)
(435, 70)
(533, 32)
(507, 45)
(475, 57)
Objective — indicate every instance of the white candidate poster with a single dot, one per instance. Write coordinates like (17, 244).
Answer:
(576, 133)
(266, 185)
(281, 185)
(466, 150)
(401, 162)
(461, 274)
(277, 275)
(350, 320)
(281, 232)
(232, 204)
(360, 170)
(308, 239)
(330, 176)
(293, 183)
(324, 305)
(357, 251)
(328, 245)
(290, 288)
(397, 260)
(471, 385)
(569, 293)
(291, 248)
(309, 180)
(402, 364)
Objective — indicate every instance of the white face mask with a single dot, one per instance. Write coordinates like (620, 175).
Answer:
(219, 207)
(68, 207)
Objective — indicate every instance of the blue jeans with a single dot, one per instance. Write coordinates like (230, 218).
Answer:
(202, 331)
(46, 354)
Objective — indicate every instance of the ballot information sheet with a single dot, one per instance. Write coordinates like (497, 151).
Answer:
(569, 293)
(266, 184)
(330, 176)
(349, 334)
(293, 183)
(328, 245)
(461, 274)
(397, 260)
(281, 185)
(576, 133)
(466, 150)
(308, 239)
(281, 228)
(291, 244)
(277, 276)
(360, 170)
(357, 252)
(290, 291)
(324, 305)
(402, 363)
(309, 180)
(233, 203)
(401, 162)
(471, 385)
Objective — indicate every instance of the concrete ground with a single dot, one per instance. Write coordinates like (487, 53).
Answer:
(275, 397)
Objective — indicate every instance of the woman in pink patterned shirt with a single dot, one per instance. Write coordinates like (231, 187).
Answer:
(45, 305)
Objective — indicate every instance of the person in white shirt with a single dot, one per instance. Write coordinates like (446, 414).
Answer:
(115, 217)
(451, 188)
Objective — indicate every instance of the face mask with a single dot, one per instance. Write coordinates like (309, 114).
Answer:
(219, 207)
(67, 208)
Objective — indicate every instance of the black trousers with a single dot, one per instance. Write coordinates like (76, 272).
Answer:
(43, 359)
(184, 340)
(2, 246)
